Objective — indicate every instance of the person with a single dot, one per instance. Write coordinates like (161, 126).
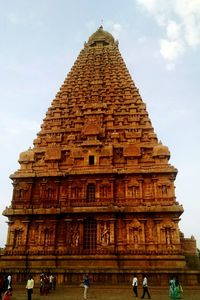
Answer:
(51, 278)
(135, 285)
(7, 295)
(46, 284)
(175, 290)
(9, 280)
(145, 287)
(171, 287)
(42, 284)
(86, 285)
(54, 282)
(8, 283)
(29, 287)
(179, 290)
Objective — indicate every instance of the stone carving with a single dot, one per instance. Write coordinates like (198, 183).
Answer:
(150, 231)
(73, 234)
(134, 233)
(97, 180)
(105, 234)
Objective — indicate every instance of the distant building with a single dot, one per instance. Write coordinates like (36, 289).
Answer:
(96, 192)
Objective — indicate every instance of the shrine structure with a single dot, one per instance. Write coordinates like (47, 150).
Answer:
(96, 192)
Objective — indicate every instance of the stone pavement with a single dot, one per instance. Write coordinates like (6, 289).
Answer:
(102, 292)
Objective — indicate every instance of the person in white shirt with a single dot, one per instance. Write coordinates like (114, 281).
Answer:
(135, 285)
(29, 287)
(145, 287)
(9, 279)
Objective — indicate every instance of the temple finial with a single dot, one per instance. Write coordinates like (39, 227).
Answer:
(101, 24)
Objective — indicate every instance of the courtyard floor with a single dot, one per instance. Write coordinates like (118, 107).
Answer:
(102, 293)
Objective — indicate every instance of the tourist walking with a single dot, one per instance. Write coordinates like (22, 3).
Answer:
(145, 287)
(135, 285)
(8, 283)
(86, 285)
(29, 287)
(9, 279)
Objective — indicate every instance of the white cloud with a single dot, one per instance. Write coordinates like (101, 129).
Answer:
(192, 32)
(171, 50)
(114, 28)
(181, 20)
(173, 30)
(117, 27)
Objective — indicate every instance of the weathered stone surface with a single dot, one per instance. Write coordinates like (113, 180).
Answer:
(96, 192)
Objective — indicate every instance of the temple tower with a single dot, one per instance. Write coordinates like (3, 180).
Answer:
(96, 192)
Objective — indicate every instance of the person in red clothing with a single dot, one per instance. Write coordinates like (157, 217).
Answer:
(7, 295)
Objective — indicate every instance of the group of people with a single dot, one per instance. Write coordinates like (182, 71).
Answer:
(144, 284)
(175, 288)
(47, 283)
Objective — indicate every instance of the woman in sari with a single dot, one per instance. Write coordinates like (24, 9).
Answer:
(175, 289)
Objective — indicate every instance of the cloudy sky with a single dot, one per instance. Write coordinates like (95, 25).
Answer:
(160, 43)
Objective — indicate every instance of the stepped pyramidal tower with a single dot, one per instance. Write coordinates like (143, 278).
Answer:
(96, 192)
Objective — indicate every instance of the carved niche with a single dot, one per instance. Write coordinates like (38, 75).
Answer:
(134, 233)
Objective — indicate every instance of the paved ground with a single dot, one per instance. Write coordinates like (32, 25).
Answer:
(101, 293)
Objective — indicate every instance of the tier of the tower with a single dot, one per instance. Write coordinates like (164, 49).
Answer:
(97, 122)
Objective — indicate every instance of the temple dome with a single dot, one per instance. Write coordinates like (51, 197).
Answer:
(26, 156)
(101, 36)
(161, 150)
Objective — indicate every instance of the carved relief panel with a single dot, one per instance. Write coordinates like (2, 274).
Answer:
(106, 234)
(150, 231)
(33, 233)
(148, 188)
(17, 235)
(72, 233)
(132, 189)
(21, 192)
(47, 234)
(118, 156)
(168, 234)
(134, 234)
(105, 189)
(41, 236)
(46, 192)
(76, 190)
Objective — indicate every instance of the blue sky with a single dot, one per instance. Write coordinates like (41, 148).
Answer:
(160, 43)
